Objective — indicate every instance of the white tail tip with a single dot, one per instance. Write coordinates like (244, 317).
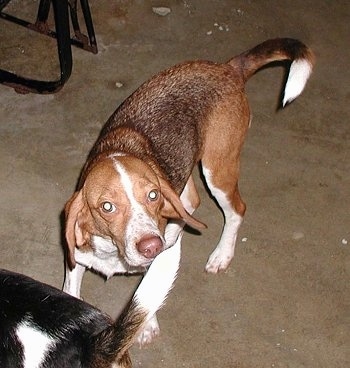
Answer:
(299, 73)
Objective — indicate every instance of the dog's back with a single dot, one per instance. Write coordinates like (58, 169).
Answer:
(40, 326)
(174, 109)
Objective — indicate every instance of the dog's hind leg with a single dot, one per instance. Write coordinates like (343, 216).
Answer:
(228, 198)
(226, 132)
(190, 200)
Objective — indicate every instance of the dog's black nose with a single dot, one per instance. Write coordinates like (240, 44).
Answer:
(150, 246)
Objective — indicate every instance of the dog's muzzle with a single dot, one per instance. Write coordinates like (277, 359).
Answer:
(150, 246)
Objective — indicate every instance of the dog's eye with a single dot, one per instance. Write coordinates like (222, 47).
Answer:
(153, 195)
(108, 207)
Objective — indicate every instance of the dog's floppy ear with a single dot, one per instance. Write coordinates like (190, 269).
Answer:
(174, 209)
(76, 234)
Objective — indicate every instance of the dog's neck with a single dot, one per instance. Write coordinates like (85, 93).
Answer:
(122, 141)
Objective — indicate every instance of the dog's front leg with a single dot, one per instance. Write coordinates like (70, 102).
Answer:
(149, 332)
(151, 329)
(73, 279)
(173, 234)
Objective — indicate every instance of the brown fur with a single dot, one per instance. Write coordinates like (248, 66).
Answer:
(191, 112)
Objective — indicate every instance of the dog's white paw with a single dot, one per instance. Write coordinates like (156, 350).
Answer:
(218, 262)
(150, 331)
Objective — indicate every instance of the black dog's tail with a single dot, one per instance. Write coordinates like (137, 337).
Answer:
(112, 344)
(279, 49)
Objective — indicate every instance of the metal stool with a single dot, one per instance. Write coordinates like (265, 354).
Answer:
(61, 10)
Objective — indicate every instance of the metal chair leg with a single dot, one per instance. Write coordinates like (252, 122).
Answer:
(64, 42)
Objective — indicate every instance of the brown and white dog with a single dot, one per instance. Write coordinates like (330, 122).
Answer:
(43, 327)
(136, 191)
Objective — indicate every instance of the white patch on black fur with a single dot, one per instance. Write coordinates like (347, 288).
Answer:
(35, 344)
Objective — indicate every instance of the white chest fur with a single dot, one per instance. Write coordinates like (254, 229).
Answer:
(104, 258)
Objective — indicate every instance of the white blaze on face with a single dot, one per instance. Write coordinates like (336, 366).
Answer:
(35, 342)
(139, 224)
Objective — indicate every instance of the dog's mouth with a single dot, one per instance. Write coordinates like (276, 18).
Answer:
(132, 263)
(135, 260)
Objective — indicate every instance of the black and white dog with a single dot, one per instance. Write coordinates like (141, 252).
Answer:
(43, 327)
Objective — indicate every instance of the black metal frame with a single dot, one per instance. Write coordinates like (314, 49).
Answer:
(64, 41)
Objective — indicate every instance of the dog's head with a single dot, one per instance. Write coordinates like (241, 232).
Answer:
(124, 202)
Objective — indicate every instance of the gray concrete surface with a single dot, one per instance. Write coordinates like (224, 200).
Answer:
(285, 300)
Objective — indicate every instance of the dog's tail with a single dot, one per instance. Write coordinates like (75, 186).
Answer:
(113, 343)
(278, 49)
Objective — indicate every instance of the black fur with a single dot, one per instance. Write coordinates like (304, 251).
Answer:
(84, 336)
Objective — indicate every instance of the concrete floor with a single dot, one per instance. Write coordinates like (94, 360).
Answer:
(285, 301)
